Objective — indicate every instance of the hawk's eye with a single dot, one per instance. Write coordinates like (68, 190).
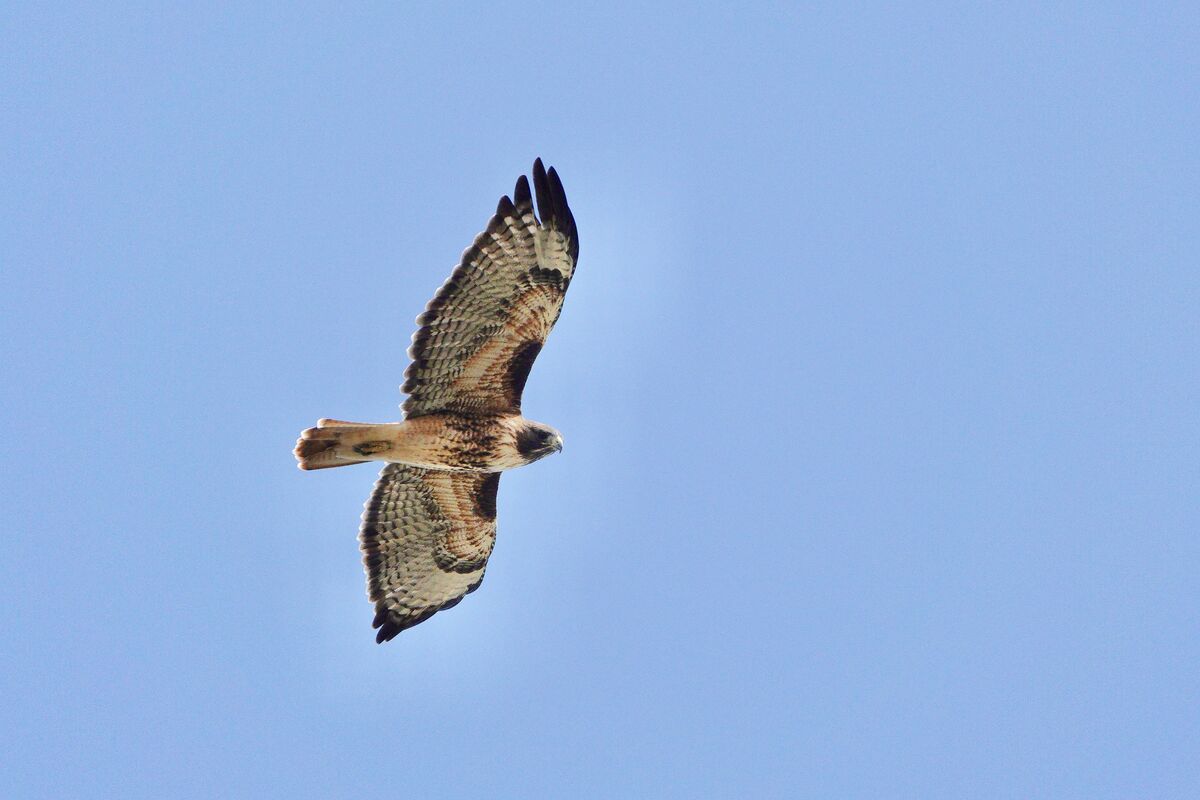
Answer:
(531, 441)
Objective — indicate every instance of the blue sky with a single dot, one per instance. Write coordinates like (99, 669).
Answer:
(878, 380)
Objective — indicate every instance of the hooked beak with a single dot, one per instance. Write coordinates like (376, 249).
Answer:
(558, 444)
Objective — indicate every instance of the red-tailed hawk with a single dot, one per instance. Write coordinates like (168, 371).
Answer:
(430, 523)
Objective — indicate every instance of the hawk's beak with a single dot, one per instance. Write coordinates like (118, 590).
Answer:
(558, 443)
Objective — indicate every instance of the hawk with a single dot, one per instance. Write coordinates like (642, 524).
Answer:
(430, 523)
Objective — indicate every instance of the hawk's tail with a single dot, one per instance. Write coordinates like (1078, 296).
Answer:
(332, 443)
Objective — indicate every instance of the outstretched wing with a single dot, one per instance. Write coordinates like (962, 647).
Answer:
(481, 332)
(426, 537)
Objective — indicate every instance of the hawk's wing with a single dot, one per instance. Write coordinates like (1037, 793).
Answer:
(426, 537)
(481, 332)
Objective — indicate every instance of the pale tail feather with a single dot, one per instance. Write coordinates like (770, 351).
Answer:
(331, 444)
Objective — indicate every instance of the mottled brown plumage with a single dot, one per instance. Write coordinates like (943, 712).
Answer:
(430, 523)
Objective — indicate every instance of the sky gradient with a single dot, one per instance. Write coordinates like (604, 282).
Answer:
(878, 379)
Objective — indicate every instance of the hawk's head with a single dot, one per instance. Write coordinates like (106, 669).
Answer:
(536, 441)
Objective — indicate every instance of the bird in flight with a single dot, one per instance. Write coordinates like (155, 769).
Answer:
(430, 523)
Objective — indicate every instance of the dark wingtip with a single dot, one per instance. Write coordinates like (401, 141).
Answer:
(521, 195)
(505, 208)
(561, 213)
(552, 207)
(545, 203)
(390, 626)
(563, 218)
(387, 631)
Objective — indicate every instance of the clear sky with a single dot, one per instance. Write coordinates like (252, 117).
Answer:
(879, 381)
